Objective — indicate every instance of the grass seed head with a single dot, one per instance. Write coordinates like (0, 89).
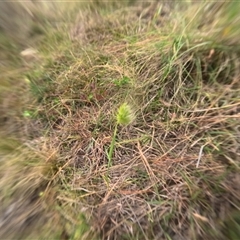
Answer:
(125, 115)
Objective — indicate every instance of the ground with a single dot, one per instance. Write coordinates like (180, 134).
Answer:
(122, 122)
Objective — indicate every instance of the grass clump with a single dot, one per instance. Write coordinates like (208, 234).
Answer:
(173, 172)
(26, 203)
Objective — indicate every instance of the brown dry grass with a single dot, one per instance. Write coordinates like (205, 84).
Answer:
(175, 169)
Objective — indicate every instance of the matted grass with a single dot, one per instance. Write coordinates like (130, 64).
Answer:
(173, 171)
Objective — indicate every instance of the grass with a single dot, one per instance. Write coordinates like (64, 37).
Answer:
(71, 168)
(124, 117)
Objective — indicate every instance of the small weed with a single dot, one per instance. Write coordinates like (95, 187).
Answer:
(28, 114)
(124, 117)
(122, 82)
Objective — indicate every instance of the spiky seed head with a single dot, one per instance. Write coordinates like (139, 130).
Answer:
(125, 115)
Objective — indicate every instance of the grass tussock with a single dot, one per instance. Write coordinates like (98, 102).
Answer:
(24, 196)
(138, 134)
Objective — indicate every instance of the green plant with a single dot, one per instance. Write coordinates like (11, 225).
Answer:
(122, 81)
(124, 117)
(82, 229)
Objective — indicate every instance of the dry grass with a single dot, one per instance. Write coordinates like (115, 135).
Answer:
(23, 20)
(175, 169)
